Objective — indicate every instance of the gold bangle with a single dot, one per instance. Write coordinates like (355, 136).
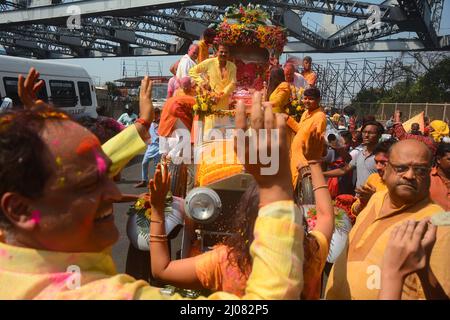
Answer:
(320, 187)
(164, 236)
(158, 240)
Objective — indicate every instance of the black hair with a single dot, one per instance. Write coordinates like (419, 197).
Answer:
(312, 92)
(349, 110)
(307, 58)
(442, 149)
(346, 135)
(242, 228)
(383, 146)
(276, 77)
(331, 137)
(374, 123)
(23, 166)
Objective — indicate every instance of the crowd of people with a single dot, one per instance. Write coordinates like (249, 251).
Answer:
(57, 192)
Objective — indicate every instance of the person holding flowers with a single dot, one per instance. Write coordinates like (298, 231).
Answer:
(220, 74)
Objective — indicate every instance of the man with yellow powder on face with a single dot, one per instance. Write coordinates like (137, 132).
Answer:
(46, 228)
(312, 119)
(220, 74)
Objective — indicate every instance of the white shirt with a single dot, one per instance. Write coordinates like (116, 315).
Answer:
(184, 65)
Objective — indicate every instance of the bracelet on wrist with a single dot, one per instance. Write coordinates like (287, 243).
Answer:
(144, 122)
(324, 186)
(159, 236)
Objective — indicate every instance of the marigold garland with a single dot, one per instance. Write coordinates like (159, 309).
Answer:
(250, 26)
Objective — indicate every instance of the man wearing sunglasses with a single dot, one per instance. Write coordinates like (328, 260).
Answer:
(357, 272)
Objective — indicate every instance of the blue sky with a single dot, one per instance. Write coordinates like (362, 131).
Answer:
(107, 69)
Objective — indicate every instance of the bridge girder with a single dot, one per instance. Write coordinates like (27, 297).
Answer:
(123, 28)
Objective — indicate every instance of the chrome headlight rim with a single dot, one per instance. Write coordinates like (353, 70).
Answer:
(215, 201)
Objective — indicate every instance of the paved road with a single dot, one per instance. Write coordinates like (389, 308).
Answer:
(130, 175)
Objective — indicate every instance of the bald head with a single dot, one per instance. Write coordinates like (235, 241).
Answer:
(407, 175)
(412, 149)
(193, 51)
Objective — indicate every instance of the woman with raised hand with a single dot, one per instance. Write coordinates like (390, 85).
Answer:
(228, 266)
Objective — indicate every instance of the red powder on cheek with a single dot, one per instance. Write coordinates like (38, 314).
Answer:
(88, 144)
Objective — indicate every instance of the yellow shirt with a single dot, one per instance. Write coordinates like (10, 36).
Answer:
(122, 148)
(210, 68)
(277, 254)
(203, 51)
(357, 272)
(303, 130)
(375, 180)
(280, 97)
(310, 77)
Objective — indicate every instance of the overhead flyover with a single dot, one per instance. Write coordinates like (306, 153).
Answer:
(108, 28)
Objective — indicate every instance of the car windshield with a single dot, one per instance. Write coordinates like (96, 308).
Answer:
(159, 91)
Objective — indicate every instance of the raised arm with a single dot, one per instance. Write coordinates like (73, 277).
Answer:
(339, 172)
(277, 250)
(312, 150)
(130, 142)
(180, 273)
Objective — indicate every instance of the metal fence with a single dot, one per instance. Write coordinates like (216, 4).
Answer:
(383, 111)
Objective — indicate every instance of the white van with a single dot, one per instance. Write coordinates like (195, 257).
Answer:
(67, 87)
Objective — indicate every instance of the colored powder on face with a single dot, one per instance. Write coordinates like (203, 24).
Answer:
(3, 253)
(55, 142)
(36, 216)
(101, 163)
(88, 144)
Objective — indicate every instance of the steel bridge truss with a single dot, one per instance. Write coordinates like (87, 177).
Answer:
(50, 29)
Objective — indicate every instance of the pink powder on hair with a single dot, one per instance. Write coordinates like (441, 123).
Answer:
(36, 216)
(101, 163)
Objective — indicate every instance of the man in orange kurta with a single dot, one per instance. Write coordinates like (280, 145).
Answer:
(309, 75)
(312, 117)
(357, 272)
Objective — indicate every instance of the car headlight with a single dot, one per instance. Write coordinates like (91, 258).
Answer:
(203, 205)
